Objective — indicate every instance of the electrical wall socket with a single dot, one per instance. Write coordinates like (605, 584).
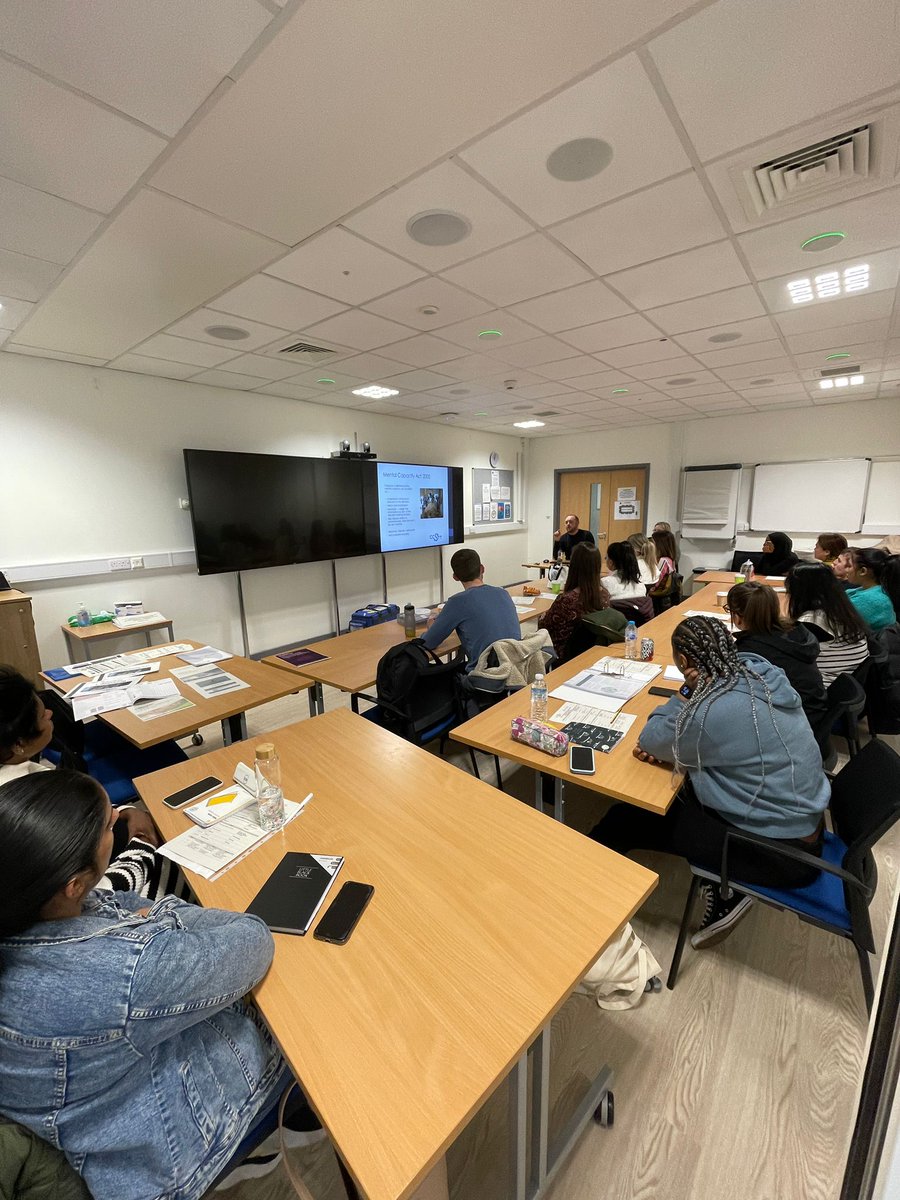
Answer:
(136, 564)
(120, 564)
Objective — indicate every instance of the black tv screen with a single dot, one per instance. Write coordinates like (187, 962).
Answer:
(270, 510)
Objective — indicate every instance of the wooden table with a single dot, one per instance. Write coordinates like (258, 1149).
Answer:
(229, 708)
(727, 578)
(352, 658)
(83, 637)
(484, 917)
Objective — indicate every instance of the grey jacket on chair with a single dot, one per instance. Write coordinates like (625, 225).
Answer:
(512, 662)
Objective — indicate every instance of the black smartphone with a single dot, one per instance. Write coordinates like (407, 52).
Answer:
(581, 760)
(343, 913)
(658, 691)
(192, 792)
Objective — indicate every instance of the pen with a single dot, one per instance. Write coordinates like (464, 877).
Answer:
(303, 804)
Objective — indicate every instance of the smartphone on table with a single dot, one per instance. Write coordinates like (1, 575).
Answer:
(581, 760)
(661, 691)
(192, 791)
(343, 913)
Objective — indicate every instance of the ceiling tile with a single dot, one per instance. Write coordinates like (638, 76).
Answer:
(681, 277)
(274, 302)
(600, 380)
(538, 350)
(23, 277)
(418, 381)
(724, 97)
(736, 304)
(608, 335)
(641, 352)
(544, 391)
(182, 350)
(227, 379)
(373, 366)
(104, 307)
(867, 354)
(465, 333)
(764, 393)
(155, 62)
(618, 105)
(683, 367)
(445, 188)
(406, 305)
(141, 364)
(661, 220)
(258, 364)
(358, 330)
(687, 392)
(884, 270)
(61, 355)
(293, 391)
(468, 367)
(46, 227)
(757, 329)
(726, 403)
(870, 224)
(832, 338)
(827, 314)
(342, 381)
(64, 144)
(753, 370)
(13, 312)
(741, 354)
(343, 266)
(569, 368)
(195, 326)
(519, 272)
(572, 307)
(424, 350)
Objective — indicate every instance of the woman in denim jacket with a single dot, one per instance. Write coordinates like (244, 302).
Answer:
(123, 1037)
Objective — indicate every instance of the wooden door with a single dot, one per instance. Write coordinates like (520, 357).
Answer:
(593, 494)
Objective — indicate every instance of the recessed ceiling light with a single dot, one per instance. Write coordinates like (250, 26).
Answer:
(325, 379)
(725, 337)
(438, 227)
(482, 413)
(822, 241)
(620, 391)
(826, 384)
(448, 416)
(528, 424)
(832, 357)
(856, 379)
(830, 284)
(841, 381)
(490, 333)
(682, 380)
(227, 333)
(582, 158)
(374, 392)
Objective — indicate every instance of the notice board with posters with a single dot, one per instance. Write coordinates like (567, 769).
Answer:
(492, 497)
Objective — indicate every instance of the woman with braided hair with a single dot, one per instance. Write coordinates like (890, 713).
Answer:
(739, 734)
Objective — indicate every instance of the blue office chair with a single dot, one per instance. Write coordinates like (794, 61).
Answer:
(865, 803)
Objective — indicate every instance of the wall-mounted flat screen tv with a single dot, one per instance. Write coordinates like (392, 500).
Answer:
(418, 505)
(270, 510)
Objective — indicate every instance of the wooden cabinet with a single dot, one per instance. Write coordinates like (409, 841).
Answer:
(18, 644)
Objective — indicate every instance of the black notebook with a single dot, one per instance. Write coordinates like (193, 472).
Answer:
(292, 895)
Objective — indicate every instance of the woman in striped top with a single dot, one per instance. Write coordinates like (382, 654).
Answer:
(817, 600)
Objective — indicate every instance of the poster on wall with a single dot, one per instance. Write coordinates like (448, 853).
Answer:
(626, 510)
(492, 497)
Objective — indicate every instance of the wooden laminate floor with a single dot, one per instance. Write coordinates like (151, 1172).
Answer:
(740, 1083)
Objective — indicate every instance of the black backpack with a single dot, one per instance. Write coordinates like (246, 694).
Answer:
(414, 689)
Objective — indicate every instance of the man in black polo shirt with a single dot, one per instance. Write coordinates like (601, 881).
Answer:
(568, 540)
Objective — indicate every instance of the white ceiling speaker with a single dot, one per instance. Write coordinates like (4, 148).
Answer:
(438, 227)
(580, 159)
(227, 333)
(681, 380)
(725, 337)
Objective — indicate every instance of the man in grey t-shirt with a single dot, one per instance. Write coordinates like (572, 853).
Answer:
(480, 614)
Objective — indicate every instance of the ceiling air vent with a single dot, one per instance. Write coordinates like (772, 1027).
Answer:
(551, 412)
(810, 170)
(828, 372)
(304, 348)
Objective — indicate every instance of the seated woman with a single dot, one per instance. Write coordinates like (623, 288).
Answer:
(817, 601)
(624, 582)
(866, 594)
(828, 547)
(645, 553)
(584, 593)
(887, 698)
(26, 729)
(663, 593)
(778, 556)
(140, 1061)
(752, 764)
(761, 630)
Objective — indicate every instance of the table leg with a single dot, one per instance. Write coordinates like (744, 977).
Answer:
(559, 801)
(539, 791)
(234, 729)
(540, 1109)
(316, 700)
(518, 1129)
(354, 702)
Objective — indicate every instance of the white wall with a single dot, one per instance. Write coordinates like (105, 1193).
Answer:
(92, 468)
(868, 428)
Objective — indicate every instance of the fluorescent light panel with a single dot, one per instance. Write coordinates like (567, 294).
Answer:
(828, 284)
(374, 392)
(841, 381)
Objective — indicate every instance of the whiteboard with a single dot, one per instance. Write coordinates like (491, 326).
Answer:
(883, 501)
(709, 502)
(810, 497)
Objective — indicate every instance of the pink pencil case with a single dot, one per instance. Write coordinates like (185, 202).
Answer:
(540, 736)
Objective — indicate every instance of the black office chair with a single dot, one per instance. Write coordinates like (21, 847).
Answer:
(865, 803)
(882, 685)
(638, 609)
(847, 696)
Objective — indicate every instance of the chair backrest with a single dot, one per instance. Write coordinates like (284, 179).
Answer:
(882, 681)
(637, 608)
(847, 694)
(740, 557)
(416, 690)
(865, 803)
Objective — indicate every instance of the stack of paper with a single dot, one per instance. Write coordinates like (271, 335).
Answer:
(115, 690)
(206, 654)
(608, 684)
(137, 620)
(210, 852)
(209, 681)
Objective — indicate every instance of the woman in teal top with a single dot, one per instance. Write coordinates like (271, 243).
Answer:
(867, 595)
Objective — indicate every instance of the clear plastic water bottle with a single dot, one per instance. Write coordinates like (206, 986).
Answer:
(269, 796)
(748, 570)
(83, 616)
(631, 640)
(409, 620)
(539, 698)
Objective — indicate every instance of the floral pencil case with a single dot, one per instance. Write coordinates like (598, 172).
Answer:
(540, 736)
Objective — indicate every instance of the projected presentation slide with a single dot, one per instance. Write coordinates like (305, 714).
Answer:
(413, 506)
